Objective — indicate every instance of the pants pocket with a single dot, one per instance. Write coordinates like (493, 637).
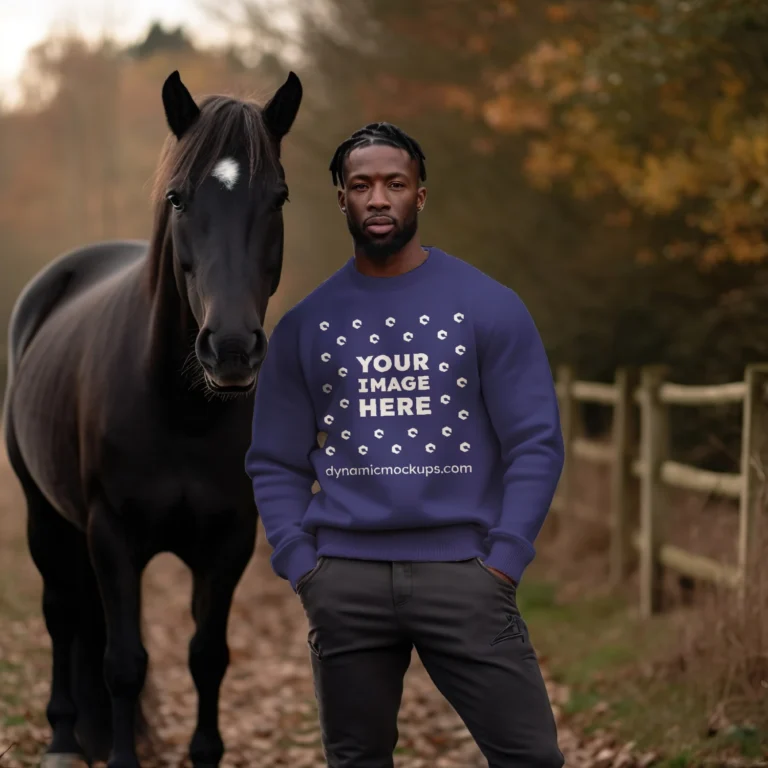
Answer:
(503, 582)
(307, 577)
(313, 647)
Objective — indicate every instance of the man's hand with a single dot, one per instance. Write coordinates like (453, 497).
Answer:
(502, 575)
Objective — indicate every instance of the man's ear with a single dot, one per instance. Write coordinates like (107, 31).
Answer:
(421, 199)
(342, 199)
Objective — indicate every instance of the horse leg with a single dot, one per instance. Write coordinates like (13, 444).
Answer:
(89, 688)
(59, 551)
(214, 583)
(118, 572)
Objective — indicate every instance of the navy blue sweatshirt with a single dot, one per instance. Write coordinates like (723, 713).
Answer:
(443, 432)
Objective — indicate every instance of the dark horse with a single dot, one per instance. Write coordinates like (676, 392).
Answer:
(128, 414)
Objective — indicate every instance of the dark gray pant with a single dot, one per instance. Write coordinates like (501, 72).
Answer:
(364, 619)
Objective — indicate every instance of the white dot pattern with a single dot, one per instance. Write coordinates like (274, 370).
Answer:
(443, 366)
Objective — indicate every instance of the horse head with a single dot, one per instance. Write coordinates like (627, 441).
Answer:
(223, 188)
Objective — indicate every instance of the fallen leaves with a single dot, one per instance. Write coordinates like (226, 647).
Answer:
(602, 751)
(268, 712)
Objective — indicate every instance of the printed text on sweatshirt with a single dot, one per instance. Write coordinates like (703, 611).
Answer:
(443, 437)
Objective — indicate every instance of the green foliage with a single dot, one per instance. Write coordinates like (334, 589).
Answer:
(614, 666)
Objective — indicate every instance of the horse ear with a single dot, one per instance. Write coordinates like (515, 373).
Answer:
(280, 112)
(180, 108)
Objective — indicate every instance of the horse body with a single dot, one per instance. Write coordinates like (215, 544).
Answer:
(128, 415)
(51, 325)
(87, 432)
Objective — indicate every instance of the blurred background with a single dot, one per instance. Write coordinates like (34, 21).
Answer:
(607, 160)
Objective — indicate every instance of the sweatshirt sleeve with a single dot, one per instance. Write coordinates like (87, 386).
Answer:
(520, 396)
(277, 461)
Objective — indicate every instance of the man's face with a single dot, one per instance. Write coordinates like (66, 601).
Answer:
(381, 199)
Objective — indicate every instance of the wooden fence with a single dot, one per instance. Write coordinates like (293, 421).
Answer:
(637, 455)
(641, 471)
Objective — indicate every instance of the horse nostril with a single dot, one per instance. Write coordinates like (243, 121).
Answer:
(205, 347)
(259, 348)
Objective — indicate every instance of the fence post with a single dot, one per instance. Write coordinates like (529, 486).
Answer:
(624, 491)
(568, 418)
(654, 447)
(754, 465)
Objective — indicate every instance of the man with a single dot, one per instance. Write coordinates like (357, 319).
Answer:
(442, 455)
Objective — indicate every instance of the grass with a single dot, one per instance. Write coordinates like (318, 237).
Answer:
(613, 665)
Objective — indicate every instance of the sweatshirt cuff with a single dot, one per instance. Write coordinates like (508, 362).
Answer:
(510, 556)
(294, 561)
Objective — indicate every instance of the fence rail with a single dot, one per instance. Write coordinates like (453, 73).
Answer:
(641, 471)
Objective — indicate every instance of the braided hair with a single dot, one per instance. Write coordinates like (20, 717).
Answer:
(376, 133)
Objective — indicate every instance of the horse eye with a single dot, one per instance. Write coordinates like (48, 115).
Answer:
(175, 200)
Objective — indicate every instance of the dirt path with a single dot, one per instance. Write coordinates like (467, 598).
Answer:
(268, 715)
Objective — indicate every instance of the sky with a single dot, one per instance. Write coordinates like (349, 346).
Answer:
(24, 23)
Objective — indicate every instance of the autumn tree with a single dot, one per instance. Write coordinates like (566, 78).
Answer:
(410, 63)
(579, 152)
(662, 102)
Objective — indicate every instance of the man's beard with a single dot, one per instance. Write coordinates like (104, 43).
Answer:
(381, 249)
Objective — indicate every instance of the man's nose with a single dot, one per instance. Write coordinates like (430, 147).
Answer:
(378, 200)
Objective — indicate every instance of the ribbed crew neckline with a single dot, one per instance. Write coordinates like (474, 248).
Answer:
(395, 282)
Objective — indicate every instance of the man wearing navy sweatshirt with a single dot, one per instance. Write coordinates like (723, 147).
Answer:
(443, 449)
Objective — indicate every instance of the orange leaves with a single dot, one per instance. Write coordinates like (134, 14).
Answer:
(666, 181)
(581, 119)
(548, 62)
(737, 226)
(739, 177)
(510, 115)
(750, 151)
(546, 163)
(747, 248)
(733, 87)
(559, 13)
(456, 97)
(719, 118)
(640, 100)
(732, 83)
(730, 179)
(564, 88)
(689, 150)
(507, 9)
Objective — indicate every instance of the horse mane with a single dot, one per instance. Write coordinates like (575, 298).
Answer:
(225, 125)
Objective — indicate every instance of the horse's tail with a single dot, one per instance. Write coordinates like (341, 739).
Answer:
(89, 689)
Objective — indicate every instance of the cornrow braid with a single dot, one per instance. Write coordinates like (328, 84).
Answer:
(376, 133)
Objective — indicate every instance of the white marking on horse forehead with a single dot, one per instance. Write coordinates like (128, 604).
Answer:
(227, 172)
